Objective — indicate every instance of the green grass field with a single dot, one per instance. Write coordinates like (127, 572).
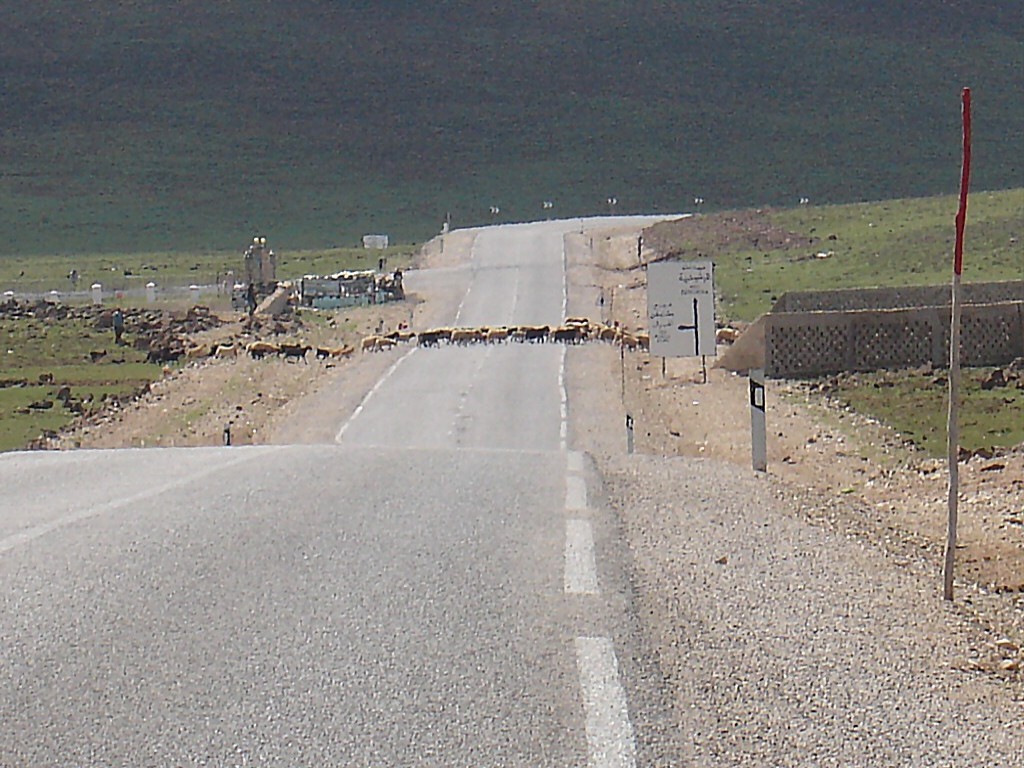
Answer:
(31, 348)
(40, 357)
(915, 404)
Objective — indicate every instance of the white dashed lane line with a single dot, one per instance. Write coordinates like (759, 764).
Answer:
(580, 564)
(610, 739)
(611, 742)
(580, 559)
(563, 431)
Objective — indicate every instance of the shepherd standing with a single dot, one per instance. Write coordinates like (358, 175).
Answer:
(250, 299)
(118, 325)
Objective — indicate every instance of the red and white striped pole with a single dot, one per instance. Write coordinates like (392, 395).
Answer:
(953, 431)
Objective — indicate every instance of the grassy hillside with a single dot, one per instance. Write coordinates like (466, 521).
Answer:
(761, 254)
(150, 125)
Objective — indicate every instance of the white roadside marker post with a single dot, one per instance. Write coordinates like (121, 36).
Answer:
(758, 429)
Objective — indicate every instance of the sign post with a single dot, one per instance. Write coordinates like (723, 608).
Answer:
(681, 308)
(758, 430)
(953, 430)
(622, 370)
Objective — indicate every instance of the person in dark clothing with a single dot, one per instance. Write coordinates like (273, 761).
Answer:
(118, 320)
(250, 299)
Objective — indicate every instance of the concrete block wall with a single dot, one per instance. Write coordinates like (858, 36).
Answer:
(824, 342)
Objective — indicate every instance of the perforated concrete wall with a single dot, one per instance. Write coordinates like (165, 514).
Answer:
(816, 343)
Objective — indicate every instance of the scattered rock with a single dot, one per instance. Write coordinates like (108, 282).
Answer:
(995, 379)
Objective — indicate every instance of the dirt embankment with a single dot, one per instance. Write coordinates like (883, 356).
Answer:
(229, 394)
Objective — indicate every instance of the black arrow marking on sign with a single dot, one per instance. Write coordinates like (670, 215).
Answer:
(695, 328)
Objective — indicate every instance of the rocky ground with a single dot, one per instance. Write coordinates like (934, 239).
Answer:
(208, 399)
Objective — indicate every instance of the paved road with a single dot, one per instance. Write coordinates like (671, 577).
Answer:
(437, 587)
(479, 396)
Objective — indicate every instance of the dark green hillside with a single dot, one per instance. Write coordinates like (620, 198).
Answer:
(147, 125)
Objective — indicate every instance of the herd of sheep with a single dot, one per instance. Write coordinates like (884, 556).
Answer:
(575, 330)
(260, 349)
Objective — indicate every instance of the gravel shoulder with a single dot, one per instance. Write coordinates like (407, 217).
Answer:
(785, 643)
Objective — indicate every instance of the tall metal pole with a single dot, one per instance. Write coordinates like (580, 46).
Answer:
(953, 429)
(953, 444)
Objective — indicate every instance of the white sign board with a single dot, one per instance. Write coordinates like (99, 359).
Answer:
(681, 308)
(375, 241)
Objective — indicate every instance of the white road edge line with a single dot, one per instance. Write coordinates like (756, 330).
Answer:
(575, 493)
(30, 534)
(371, 393)
(580, 563)
(564, 429)
(574, 461)
(564, 395)
(565, 279)
(610, 739)
(472, 262)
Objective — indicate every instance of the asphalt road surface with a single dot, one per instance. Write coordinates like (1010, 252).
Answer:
(438, 587)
